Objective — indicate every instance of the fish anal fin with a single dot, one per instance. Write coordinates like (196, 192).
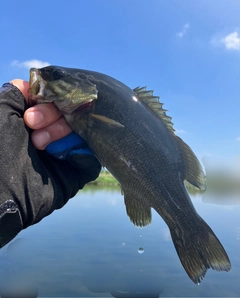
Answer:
(192, 168)
(107, 121)
(139, 214)
(152, 103)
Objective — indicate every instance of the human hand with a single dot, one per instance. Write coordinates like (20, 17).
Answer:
(45, 120)
(33, 183)
(51, 132)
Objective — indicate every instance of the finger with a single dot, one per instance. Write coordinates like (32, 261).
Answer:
(55, 131)
(23, 86)
(41, 115)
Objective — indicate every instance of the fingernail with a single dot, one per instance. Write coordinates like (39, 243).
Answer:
(41, 139)
(34, 118)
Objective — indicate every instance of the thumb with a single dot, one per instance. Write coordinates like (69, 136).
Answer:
(22, 85)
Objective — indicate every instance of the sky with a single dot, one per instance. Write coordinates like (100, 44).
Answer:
(188, 52)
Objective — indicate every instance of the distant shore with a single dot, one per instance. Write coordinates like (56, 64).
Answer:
(217, 183)
(106, 179)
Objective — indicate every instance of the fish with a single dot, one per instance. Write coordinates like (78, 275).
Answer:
(131, 134)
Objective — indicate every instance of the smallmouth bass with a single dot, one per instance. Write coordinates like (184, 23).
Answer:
(133, 137)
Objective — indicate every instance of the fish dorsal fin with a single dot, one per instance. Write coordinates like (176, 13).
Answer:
(139, 214)
(192, 169)
(152, 103)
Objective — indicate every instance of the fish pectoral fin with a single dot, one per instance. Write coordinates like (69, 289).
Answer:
(139, 214)
(192, 169)
(108, 121)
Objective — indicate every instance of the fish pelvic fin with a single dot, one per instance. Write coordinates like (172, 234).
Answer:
(139, 214)
(152, 103)
(193, 171)
(200, 250)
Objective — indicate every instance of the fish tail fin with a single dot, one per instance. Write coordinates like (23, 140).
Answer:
(199, 249)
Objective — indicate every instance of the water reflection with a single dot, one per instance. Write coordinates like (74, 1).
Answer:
(90, 249)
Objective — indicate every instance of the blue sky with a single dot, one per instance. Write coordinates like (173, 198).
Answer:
(187, 51)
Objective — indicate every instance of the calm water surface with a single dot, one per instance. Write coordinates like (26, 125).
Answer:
(91, 249)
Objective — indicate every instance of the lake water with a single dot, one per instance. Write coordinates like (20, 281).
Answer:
(90, 248)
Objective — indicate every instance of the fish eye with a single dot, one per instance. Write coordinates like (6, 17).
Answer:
(57, 74)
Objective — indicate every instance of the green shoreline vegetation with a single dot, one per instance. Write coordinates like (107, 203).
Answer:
(217, 183)
(106, 179)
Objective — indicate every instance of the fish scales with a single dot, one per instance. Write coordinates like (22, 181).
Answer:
(134, 139)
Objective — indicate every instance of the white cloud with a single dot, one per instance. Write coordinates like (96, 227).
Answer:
(184, 31)
(230, 41)
(238, 138)
(30, 63)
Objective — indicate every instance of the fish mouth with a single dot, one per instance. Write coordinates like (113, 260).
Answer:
(36, 88)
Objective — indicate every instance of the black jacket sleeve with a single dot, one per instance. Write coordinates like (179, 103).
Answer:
(32, 183)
